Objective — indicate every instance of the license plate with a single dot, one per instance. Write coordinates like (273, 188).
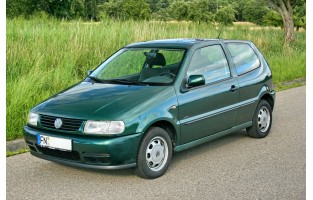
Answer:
(54, 142)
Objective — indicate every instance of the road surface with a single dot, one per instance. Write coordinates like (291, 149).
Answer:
(233, 167)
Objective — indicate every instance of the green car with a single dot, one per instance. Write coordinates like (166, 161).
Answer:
(151, 99)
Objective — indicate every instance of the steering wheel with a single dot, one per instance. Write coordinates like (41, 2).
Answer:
(168, 73)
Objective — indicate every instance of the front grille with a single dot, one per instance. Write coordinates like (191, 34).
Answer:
(68, 155)
(95, 160)
(67, 123)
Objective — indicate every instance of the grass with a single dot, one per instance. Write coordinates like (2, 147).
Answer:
(45, 56)
(13, 153)
(286, 87)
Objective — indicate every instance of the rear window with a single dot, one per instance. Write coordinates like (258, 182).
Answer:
(244, 57)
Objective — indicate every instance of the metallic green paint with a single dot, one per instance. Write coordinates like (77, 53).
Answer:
(121, 150)
(195, 81)
(197, 114)
(211, 137)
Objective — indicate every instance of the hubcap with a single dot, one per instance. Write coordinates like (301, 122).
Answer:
(157, 153)
(264, 119)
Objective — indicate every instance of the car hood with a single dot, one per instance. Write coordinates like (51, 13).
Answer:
(97, 101)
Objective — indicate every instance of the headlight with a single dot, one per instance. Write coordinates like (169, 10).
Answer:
(33, 118)
(104, 127)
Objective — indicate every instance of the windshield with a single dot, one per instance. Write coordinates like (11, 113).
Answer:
(140, 66)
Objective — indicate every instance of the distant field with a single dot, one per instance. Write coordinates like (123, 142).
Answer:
(46, 56)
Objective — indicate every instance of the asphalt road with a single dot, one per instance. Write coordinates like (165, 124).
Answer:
(233, 167)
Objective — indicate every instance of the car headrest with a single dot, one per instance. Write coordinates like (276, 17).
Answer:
(158, 59)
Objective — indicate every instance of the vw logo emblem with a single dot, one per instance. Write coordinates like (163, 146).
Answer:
(58, 123)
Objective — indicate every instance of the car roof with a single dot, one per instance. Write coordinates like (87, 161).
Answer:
(178, 43)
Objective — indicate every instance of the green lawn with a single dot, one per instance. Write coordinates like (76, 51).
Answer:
(45, 56)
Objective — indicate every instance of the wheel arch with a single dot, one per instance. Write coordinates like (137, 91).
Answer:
(267, 97)
(167, 126)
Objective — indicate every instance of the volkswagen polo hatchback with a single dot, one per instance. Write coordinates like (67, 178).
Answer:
(151, 99)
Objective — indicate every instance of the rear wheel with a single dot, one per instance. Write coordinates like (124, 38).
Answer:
(155, 153)
(262, 121)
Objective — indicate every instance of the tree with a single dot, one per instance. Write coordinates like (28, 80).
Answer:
(254, 11)
(199, 11)
(179, 10)
(272, 18)
(239, 6)
(225, 15)
(156, 5)
(299, 14)
(128, 9)
(161, 15)
(286, 11)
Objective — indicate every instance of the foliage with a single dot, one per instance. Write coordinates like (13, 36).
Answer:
(273, 18)
(161, 15)
(64, 9)
(300, 14)
(128, 9)
(225, 15)
(199, 11)
(239, 5)
(286, 8)
(156, 5)
(208, 11)
(179, 10)
(254, 11)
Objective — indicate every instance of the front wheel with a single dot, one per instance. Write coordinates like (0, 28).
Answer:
(262, 121)
(155, 153)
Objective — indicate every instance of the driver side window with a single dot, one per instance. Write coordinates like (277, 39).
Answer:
(210, 62)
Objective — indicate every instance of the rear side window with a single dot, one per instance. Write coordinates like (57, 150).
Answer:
(211, 63)
(244, 57)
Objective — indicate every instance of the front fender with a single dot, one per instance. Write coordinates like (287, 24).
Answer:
(154, 117)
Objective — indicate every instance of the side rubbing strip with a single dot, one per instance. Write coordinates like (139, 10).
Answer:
(191, 120)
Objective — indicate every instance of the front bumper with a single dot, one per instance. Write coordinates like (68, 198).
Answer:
(87, 151)
(273, 95)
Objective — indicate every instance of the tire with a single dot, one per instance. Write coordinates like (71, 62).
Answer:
(262, 121)
(155, 153)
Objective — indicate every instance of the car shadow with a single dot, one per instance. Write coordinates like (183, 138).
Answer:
(176, 159)
(205, 148)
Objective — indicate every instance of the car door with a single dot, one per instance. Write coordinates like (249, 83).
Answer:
(208, 109)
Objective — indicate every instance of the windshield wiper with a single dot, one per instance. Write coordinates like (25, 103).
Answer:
(97, 79)
(123, 81)
(126, 81)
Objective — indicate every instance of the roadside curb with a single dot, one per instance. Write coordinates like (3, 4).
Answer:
(301, 81)
(15, 145)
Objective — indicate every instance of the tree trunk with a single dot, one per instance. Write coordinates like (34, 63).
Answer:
(285, 10)
(288, 25)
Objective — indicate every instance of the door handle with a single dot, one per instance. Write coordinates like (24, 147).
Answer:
(233, 88)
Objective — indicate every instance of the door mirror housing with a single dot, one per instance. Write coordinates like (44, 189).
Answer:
(195, 81)
(89, 72)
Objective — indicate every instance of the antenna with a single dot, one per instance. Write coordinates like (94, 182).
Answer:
(219, 34)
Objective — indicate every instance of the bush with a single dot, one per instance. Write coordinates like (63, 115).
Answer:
(198, 11)
(254, 11)
(128, 9)
(273, 18)
(225, 15)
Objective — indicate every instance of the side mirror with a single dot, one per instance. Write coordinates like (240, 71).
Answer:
(89, 72)
(195, 80)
